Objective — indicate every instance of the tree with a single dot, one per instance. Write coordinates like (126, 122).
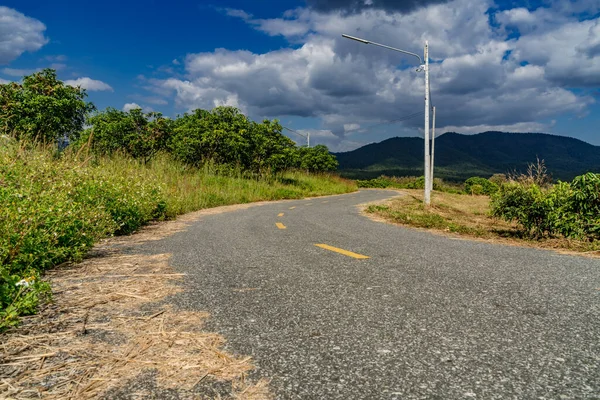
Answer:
(139, 134)
(269, 149)
(42, 108)
(317, 159)
(216, 135)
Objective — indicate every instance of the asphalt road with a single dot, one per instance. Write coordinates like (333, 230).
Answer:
(424, 317)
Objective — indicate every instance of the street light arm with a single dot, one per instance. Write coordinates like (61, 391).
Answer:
(383, 45)
(296, 132)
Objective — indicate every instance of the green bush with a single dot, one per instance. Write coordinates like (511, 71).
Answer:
(487, 187)
(141, 135)
(42, 108)
(476, 189)
(54, 210)
(571, 209)
(407, 182)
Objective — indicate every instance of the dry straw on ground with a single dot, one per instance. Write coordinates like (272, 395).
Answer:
(107, 326)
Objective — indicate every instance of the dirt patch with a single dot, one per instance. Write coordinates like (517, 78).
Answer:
(108, 330)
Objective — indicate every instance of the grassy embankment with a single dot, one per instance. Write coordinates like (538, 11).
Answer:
(54, 208)
(469, 216)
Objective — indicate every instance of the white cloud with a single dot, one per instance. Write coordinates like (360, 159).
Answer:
(89, 84)
(130, 106)
(18, 34)
(18, 72)
(4, 81)
(483, 77)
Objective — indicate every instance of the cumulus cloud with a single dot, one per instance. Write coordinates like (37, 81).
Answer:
(483, 76)
(131, 106)
(89, 84)
(18, 72)
(18, 34)
(356, 6)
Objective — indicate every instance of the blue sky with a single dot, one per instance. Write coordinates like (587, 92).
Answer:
(513, 66)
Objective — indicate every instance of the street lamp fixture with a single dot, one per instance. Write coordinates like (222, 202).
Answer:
(423, 67)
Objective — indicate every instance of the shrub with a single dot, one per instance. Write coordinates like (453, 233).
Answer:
(487, 187)
(407, 182)
(226, 136)
(54, 210)
(141, 135)
(523, 204)
(476, 189)
(498, 179)
(317, 158)
(568, 209)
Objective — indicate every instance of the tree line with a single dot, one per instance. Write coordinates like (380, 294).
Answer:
(43, 109)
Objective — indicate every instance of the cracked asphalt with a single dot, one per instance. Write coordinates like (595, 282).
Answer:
(424, 317)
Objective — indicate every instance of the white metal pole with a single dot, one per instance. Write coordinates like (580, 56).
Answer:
(307, 139)
(432, 148)
(427, 193)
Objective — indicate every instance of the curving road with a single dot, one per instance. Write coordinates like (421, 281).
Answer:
(423, 317)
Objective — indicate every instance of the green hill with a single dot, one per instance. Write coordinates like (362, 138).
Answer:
(458, 157)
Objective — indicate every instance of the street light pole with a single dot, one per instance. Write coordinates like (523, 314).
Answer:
(425, 68)
(427, 194)
(432, 149)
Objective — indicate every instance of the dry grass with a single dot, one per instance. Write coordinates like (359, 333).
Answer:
(466, 215)
(107, 325)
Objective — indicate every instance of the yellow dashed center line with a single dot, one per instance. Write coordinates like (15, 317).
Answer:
(308, 204)
(326, 201)
(280, 215)
(291, 208)
(280, 225)
(341, 251)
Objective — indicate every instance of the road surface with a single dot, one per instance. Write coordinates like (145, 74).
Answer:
(423, 317)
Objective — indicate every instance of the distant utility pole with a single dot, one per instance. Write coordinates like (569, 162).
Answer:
(423, 67)
(306, 135)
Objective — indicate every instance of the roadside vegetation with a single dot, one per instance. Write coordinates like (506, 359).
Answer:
(519, 208)
(408, 182)
(63, 187)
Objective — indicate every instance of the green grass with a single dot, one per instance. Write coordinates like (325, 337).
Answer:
(56, 207)
(467, 215)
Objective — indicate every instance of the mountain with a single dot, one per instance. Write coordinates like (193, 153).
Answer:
(458, 157)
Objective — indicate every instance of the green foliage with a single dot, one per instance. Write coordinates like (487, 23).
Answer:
(141, 135)
(407, 182)
(55, 208)
(498, 179)
(317, 159)
(42, 108)
(568, 209)
(476, 189)
(225, 136)
(478, 185)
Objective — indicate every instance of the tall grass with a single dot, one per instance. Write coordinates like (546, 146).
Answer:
(56, 206)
